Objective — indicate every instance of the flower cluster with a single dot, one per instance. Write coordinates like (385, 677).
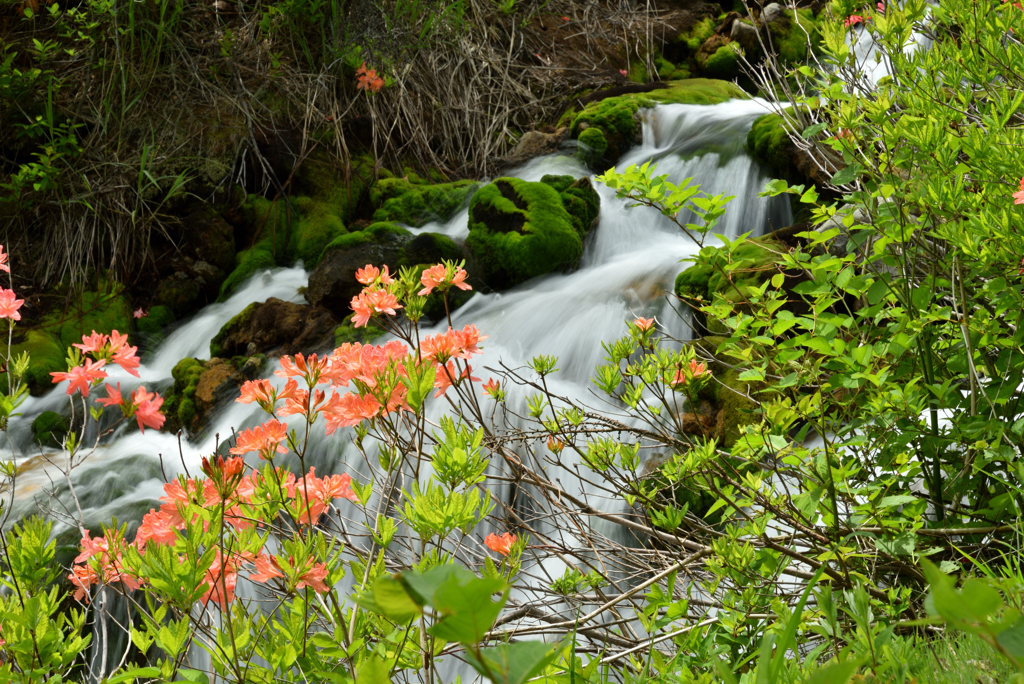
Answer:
(368, 79)
(9, 303)
(192, 503)
(500, 544)
(685, 374)
(103, 349)
(142, 405)
(1018, 197)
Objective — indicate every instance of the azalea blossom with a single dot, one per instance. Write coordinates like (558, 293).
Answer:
(156, 526)
(267, 569)
(310, 369)
(147, 409)
(139, 313)
(221, 579)
(114, 397)
(82, 377)
(367, 304)
(265, 438)
(555, 445)
(370, 274)
(368, 79)
(437, 276)
(9, 304)
(853, 20)
(3, 261)
(1018, 197)
(644, 324)
(492, 387)
(500, 544)
(95, 342)
(126, 358)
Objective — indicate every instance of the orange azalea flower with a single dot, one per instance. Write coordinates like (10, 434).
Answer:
(644, 324)
(266, 439)
(369, 274)
(492, 387)
(555, 445)
(82, 377)
(368, 304)
(697, 369)
(502, 544)
(3, 261)
(438, 276)
(1018, 197)
(9, 305)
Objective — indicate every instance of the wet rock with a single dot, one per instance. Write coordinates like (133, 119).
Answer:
(333, 284)
(534, 144)
(772, 13)
(275, 327)
(746, 35)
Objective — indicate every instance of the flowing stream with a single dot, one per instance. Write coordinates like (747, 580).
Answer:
(629, 265)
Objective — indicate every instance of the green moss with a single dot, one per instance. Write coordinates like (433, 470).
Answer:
(236, 323)
(790, 37)
(249, 263)
(103, 311)
(373, 233)
(318, 225)
(768, 142)
(724, 63)
(579, 198)
(179, 400)
(736, 409)
(432, 248)
(272, 223)
(690, 41)
(158, 318)
(46, 355)
(665, 68)
(50, 428)
(593, 146)
(616, 116)
(322, 179)
(520, 230)
(415, 204)
(715, 274)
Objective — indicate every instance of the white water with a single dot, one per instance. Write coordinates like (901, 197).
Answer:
(629, 265)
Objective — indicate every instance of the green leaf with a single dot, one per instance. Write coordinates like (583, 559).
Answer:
(836, 673)
(847, 175)
(133, 674)
(194, 676)
(468, 609)
(514, 663)
(1012, 640)
(393, 601)
(373, 671)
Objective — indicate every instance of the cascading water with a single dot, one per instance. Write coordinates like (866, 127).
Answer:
(629, 265)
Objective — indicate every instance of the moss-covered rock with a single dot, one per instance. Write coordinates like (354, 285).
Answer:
(180, 400)
(432, 248)
(50, 429)
(593, 146)
(318, 224)
(616, 117)
(579, 198)
(237, 322)
(415, 204)
(326, 182)
(248, 262)
(688, 42)
(716, 273)
(520, 230)
(790, 34)
(155, 320)
(46, 355)
(723, 63)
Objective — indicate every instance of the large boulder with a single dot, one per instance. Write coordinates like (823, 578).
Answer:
(768, 142)
(275, 326)
(618, 124)
(333, 284)
(520, 230)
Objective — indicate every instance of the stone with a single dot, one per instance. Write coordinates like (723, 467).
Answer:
(333, 284)
(772, 13)
(534, 144)
(744, 34)
(277, 327)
